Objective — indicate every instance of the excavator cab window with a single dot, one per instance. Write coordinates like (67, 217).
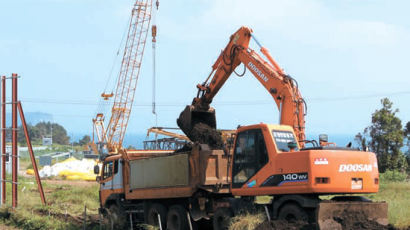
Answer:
(110, 168)
(282, 138)
(250, 156)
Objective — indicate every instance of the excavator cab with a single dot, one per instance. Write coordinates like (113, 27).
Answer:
(190, 117)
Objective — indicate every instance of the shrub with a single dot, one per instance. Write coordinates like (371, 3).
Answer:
(393, 176)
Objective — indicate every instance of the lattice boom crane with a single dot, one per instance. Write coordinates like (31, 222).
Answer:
(113, 134)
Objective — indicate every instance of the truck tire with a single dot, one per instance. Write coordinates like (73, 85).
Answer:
(292, 212)
(152, 215)
(222, 219)
(117, 217)
(177, 218)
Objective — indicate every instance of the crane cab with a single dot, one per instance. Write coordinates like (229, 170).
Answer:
(267, 160)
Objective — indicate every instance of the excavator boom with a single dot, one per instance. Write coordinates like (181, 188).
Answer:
(280, 86)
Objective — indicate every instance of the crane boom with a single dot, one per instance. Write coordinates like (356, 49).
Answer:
(124, 94)
(281, 87)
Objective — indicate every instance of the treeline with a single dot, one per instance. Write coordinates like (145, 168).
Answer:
(388, 138)
(46, 129)
(40, 130)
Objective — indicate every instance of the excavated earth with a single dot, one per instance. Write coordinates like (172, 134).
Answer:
(347, 221)
(203, 134)
(283, 224)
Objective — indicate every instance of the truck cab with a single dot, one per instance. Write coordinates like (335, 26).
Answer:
(111, 179)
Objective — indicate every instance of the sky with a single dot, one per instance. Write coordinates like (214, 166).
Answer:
(346, 55)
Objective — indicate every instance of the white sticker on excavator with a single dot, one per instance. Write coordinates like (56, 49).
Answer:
(355, 168)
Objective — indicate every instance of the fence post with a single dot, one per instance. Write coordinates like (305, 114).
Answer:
(85, 217)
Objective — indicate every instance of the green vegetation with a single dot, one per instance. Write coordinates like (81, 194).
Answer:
(40, 130)
(83, 141)
(393, 176)
(66, 201)
(386, 137)
(397, 195)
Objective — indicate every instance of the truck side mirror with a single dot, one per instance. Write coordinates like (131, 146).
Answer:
(96, 169)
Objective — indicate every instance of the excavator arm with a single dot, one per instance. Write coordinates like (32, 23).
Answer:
(281, 87)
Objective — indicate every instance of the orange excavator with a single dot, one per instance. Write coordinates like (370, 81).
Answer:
(273, 159)
(213, 179)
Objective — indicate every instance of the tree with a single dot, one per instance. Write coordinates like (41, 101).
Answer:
(386, 138)
(407, 138)
(59, 134)
(361, 142)
(85, 140)
(32, 132)
(407, 129)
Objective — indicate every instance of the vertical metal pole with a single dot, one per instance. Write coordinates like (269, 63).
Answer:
(30, 150)
(85, 217)
(14, 140)
(3, 140)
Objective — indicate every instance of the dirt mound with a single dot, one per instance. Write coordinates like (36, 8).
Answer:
(348, 221)
(204, 134)
(285, 225)
(357, 220)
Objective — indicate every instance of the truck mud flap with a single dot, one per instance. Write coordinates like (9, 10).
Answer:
(337, 215)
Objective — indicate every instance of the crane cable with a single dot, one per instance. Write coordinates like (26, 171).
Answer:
(102, 104)
(154, 41)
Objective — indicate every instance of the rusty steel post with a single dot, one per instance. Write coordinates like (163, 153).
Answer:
(14, 140)
(3, 140)
(30, 149)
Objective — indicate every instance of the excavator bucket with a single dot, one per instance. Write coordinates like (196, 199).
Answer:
(338, 215)
(190, 117)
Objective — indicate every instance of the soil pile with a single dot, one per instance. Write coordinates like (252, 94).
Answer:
(204, 134)
(285, 225)
(348, 221)
(357, 220)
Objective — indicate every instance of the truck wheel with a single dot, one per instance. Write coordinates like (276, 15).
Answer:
(177, 218)
(292, 212)
(152, 215)
(117, 217)
(222, 219)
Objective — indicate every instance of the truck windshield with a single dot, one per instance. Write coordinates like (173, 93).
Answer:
(110, 168)
(282, 138)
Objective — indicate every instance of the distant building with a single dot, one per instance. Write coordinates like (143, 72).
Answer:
(47, 141)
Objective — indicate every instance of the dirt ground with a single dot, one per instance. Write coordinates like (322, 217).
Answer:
(5, 227)
(70, 182)
(347, 222)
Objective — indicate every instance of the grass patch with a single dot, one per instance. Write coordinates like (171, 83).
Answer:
(69, 197)
(247, 221)
(64, 210)
(397, 195)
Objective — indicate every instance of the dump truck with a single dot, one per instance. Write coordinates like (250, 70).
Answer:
(214, 178)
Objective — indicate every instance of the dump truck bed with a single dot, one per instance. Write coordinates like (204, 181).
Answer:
(177, 174)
